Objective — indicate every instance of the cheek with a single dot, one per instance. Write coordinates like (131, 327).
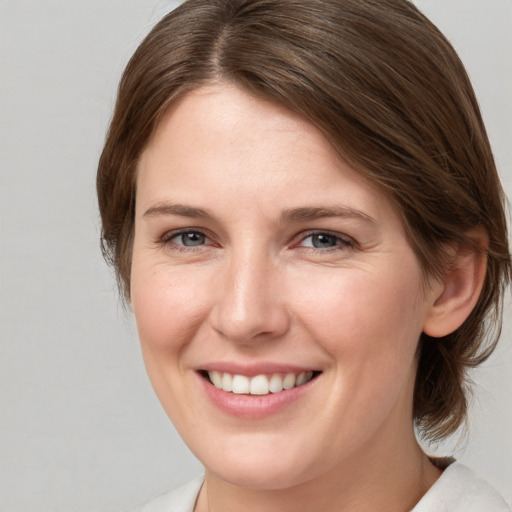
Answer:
(365, 318)
(167, 306)
(169, 310)
(370, 328)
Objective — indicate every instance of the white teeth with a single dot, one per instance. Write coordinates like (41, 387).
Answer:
(240, 384)
(227, 382)
(301, 379)
(289, 381)
(258, 385)
(276, 383)
(216, 379)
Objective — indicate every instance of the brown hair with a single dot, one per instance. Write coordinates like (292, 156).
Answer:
(389, 92)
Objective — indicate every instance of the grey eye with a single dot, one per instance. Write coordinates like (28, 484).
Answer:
(322, 241)
(190, 238)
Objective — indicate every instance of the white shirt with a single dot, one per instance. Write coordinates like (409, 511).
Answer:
(458, 489)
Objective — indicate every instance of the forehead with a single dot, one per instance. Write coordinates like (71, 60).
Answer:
(220, 140)
(223, 116)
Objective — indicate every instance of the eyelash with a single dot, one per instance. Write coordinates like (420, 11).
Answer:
(342, 242)
(168, 239)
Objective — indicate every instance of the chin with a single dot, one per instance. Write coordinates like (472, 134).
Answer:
(263, 469)
(256, 477)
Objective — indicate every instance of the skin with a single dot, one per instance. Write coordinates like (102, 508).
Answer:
(255, 289)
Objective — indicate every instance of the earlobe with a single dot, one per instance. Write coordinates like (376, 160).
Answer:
(455, 296)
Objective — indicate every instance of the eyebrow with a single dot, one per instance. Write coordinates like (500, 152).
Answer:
(309, 213)
(301, 214)
(177, 209)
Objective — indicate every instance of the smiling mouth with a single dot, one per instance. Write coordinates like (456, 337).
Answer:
(259, 384)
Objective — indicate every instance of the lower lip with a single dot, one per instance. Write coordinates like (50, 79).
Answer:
(254, 406)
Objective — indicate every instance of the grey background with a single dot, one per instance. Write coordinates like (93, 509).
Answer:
(80, 429)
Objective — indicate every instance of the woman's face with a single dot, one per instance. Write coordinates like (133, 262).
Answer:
(262, 260)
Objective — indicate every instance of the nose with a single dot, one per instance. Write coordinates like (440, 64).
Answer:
(250, 304)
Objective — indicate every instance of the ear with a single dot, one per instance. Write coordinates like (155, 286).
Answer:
(457, 293)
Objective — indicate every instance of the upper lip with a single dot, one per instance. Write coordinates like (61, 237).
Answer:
(253, 369)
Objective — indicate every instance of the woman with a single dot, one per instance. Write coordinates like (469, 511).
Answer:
(302, 208)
